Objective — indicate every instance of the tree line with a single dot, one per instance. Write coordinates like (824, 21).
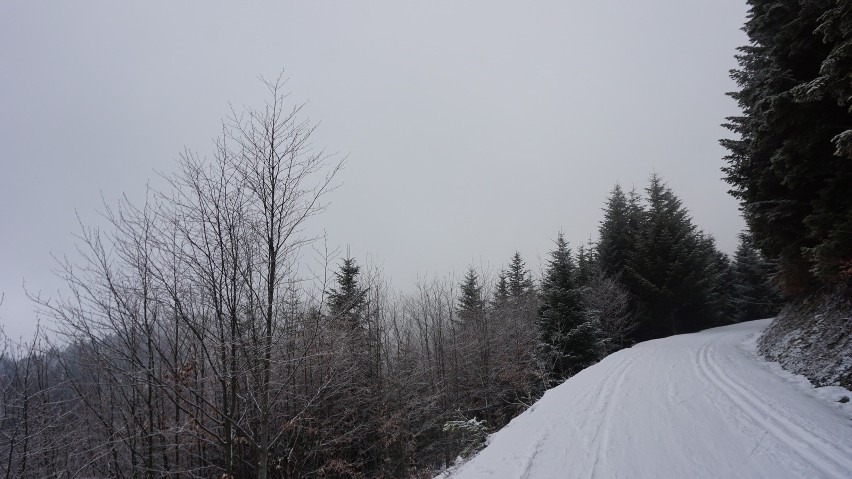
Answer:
(195, 342)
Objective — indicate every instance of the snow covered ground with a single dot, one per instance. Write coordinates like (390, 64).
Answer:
(696, 405)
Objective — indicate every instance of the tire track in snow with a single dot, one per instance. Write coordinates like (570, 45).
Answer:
(593, 391)
(601, 437)
(532, 453)
(596, 391)
(599, 394)
(819, 453)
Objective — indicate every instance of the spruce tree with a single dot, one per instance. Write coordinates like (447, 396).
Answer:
(586, 265)
(790, 165)
(616, 235)
(569, 342)
(715, 306)
(501, 291)
(723, 289)
(669, 269)
(519, 281)
(471, 305)
(345, 301)
(754, 293)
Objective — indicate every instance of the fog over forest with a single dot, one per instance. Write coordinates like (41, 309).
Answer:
(471, 130)
(365, 240)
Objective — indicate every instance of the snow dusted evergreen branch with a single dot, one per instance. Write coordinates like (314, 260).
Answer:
(473, 434)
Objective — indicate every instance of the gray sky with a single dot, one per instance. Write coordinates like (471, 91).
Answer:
(473, 129)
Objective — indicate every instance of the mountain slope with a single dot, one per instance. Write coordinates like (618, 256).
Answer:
(695, 405)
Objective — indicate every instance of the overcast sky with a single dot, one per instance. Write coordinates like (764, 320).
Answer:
(473, 129)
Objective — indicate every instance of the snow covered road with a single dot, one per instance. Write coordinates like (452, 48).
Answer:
(691, 406)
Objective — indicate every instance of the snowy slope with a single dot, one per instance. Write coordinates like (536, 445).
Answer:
(689, 406)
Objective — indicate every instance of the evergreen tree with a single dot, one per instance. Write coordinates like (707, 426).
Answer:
(723, 287)
(471, 307)
(790, 167)
(616, 233)
(569, 342)
(518, 279)
(670, 268)
(586, 265)
(357, 397)
(754, 293)
(715, 307)
(501, 291)
(346, 300)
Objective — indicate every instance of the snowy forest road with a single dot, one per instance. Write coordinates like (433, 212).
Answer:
(696, 405)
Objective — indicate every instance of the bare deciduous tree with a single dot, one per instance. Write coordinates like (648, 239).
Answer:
(193, 346)
(608, 302)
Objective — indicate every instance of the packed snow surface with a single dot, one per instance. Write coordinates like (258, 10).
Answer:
(692, 406)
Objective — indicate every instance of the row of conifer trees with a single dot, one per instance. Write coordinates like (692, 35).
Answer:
(652, 273)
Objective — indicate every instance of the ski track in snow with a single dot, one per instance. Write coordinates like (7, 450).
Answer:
(696, 405)
(820, 453)
(601, 437)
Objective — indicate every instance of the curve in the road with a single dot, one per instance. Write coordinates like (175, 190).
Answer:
(820, 454)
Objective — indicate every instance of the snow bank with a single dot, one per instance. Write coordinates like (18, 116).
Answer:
(814, 339)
